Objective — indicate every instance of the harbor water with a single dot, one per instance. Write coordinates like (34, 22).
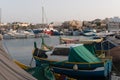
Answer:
(21, 49)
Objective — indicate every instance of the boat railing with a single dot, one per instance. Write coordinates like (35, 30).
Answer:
(103, 61)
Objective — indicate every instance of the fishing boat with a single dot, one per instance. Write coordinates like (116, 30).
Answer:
(68, 40)
(75, 60)
(76, 41)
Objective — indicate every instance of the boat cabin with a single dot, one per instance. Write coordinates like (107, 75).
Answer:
(62, 49)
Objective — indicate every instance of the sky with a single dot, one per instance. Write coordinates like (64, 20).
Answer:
(57, 10)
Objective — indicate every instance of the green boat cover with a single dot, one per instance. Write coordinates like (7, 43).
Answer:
(42, 72)
(83, 53)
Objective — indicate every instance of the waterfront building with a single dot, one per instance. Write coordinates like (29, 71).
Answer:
(114, 24)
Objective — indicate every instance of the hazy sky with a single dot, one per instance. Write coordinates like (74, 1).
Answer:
(58, 10)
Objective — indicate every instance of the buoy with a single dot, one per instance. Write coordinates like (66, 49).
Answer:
(75, 67)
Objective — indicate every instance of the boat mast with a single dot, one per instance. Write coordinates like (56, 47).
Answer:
(43, 24)
(0, 16)
(42, 15)
(44, 19)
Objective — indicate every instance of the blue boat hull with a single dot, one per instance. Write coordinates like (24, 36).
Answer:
(79, 73)
(84, 69)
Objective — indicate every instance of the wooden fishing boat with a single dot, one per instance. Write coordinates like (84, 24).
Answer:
(75, 60)
(76, 41)
(68, 40)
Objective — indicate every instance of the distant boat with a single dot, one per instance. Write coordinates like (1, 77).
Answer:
(68, 40)
(29, 33)
(8, 36)
(19, 35)
(85, 41)
(89, 32)
(104, 34)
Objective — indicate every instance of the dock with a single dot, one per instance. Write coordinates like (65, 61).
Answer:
(9, 70)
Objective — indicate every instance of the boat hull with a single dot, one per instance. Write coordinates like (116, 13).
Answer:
(91, 70)
(79, 73)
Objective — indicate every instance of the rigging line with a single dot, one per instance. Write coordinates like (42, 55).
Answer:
(32, 58)
(42, 2)
(116, 69)
(46, 21)
(31, 62)
(6, 48)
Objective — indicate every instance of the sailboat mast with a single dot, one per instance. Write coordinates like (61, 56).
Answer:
(42, 15)
(0, 16)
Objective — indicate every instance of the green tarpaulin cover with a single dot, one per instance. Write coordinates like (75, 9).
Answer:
(42, 72)
(83, 53)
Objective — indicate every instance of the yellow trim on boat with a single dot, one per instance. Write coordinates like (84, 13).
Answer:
(90, 41)
(104, 60)
(23, 66)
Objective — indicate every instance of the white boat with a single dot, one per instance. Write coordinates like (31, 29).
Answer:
(19, 34)
(9, 35)
(104, 34)
(29, 33)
